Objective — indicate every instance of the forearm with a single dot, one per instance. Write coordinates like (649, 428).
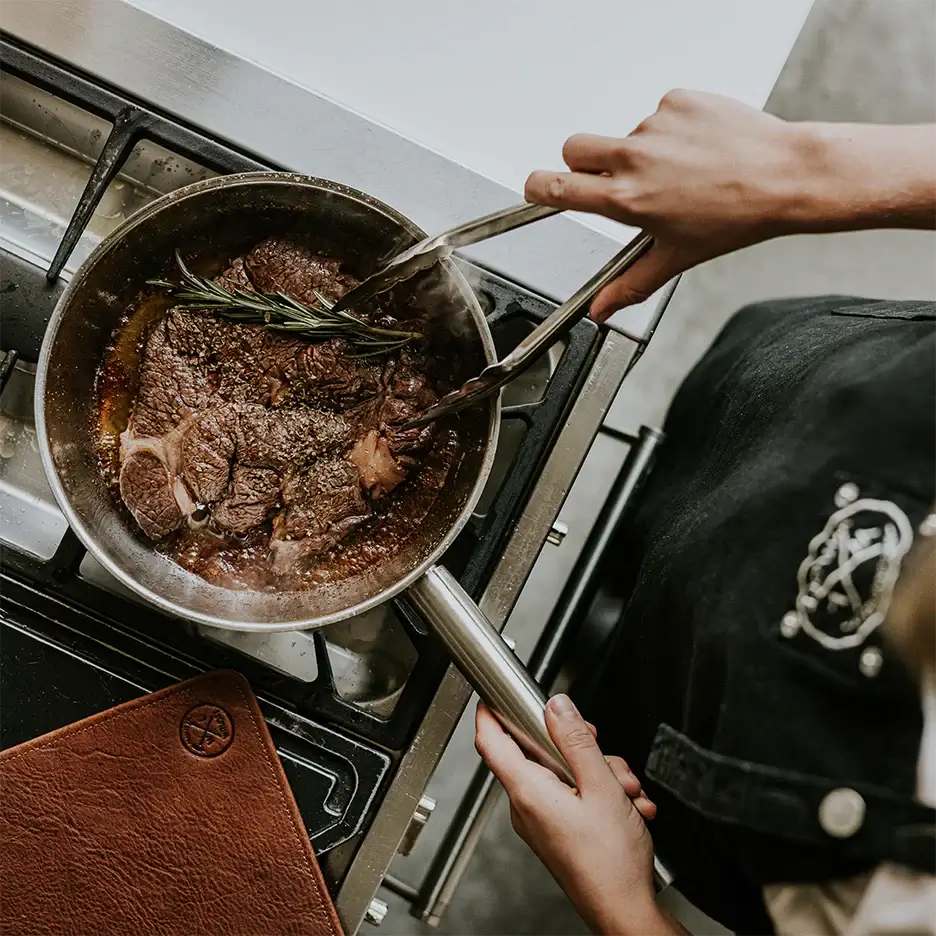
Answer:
(629, 918)
(658, 924)
(860, 176)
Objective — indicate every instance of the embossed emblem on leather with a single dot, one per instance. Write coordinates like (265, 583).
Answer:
(206, 730)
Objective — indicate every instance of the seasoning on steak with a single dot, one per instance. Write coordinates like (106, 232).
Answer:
(280, 266)
(238, 432)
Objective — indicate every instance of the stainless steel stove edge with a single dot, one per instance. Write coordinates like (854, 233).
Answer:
(242, 102)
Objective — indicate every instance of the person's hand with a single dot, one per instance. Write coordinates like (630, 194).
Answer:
(704, 175)
(592, 839)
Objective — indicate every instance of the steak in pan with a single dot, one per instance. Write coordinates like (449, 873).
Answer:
(242, 436)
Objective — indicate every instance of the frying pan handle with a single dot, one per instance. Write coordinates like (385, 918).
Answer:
(492, 668)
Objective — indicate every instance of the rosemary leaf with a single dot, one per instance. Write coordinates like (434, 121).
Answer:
(280, 312)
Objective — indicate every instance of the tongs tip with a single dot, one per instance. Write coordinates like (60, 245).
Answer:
(416, 422)
(469, 394)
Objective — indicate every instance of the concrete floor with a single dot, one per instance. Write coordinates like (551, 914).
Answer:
(860, 60)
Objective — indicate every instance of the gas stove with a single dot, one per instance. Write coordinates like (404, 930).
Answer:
(359, 711)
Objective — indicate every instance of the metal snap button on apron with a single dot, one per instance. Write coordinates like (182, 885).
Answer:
(842, 812)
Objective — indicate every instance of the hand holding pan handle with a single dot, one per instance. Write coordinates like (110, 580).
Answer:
(495, 673)
(479, 651)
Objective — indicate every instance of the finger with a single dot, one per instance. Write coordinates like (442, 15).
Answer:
(592, 729)
(645, 806)
(577, 745)
(499, 751)
(631, 786)
(622, 773)
(571, 191)
(650, 273)
(589, 152)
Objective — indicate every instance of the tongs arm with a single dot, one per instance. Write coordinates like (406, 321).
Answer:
(495, 376)
(481, 229)
(430, 251)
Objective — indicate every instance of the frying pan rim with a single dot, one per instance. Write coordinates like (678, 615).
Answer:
(88, 538)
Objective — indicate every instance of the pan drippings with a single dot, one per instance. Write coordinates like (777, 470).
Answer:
(259, 460)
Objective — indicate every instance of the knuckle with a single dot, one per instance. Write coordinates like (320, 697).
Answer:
(579, 738)
(617, 194)
(626, 149)
(621, 294)
(634, 151)
(555, 187)
(645, 126)
(631, 295)
(678, 99)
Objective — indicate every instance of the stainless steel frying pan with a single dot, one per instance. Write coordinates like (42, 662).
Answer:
(210, 222)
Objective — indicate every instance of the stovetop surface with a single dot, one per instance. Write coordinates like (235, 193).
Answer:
(342, 702)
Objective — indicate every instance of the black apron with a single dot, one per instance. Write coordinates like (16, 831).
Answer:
(748, 681)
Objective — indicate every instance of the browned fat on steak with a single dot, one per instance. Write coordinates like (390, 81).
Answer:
(235, 427)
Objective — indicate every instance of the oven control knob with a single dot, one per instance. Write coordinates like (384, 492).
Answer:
(557, 533)
(420, 817)
(376, 912)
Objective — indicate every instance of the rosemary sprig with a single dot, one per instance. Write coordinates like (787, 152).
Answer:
(279, 312)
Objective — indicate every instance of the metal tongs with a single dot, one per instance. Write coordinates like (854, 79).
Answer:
(428, 252)
(495, 376)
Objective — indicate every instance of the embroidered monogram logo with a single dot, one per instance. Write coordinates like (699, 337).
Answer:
(845, 583)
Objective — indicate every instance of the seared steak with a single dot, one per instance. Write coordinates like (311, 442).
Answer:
(324, 501)
(146, 487)
(326, 373)
(280, 266)
(238, 432)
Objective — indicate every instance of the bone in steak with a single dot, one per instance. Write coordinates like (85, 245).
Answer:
(238, 431)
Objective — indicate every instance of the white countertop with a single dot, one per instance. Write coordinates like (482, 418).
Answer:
(440, 109)
(497, 85)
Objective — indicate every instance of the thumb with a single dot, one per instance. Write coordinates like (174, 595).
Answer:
(577, 744)
(650, 273)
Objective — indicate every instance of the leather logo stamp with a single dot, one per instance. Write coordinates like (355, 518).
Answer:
(206, 730)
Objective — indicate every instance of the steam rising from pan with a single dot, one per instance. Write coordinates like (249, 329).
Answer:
(449, 312)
